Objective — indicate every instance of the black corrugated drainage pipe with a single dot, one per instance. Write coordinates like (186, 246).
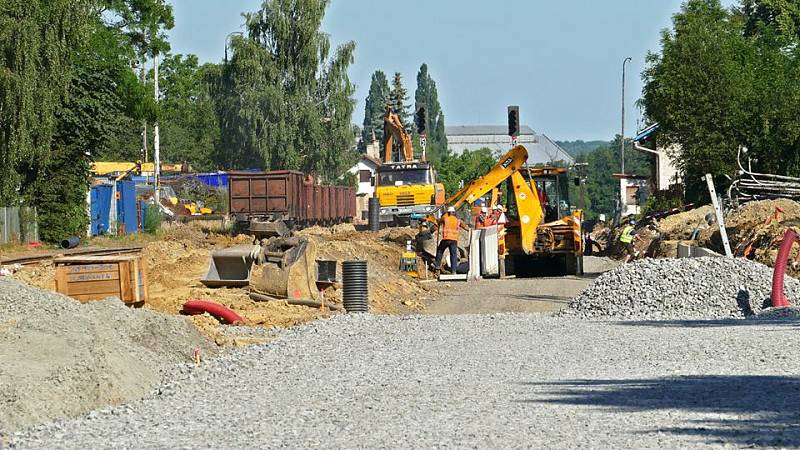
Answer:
(356, 289)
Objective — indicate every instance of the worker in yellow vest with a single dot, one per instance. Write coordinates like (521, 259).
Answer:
(627, 237)
(449, 227)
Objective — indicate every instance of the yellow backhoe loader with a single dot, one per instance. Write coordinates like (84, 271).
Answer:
(541, 225)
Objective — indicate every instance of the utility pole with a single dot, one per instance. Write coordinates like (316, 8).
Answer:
(156, 154)
(144, 121)
(622, 129)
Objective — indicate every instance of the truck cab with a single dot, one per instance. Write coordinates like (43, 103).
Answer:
(407, 191)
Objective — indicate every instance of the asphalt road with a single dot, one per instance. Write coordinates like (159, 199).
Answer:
(525, 295)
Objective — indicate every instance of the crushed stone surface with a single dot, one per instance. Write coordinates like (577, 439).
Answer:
(686, 288)
(469, 381)
(61, 358)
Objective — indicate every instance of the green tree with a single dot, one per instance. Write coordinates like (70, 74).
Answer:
(375, 108)
(457, 169)
(187, 119)
(281, 102)
(716, 86)
(398, 101)
(782, 16)
(427, 94)
(37, 38)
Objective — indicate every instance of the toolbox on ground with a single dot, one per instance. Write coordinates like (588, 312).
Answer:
(88, 278)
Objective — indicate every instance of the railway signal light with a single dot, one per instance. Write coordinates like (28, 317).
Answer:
(421, 119)
(513, 121)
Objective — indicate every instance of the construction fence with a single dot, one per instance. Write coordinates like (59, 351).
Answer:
(18, 224)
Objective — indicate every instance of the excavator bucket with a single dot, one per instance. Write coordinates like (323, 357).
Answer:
(289, 269)
(231, 267)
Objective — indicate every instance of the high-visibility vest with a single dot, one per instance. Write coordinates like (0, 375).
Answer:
(482, 221)
(626, 237)
(450, 228)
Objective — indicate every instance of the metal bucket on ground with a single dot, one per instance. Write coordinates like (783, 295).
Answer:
(374, 214)
(231, 267)
(355, 286)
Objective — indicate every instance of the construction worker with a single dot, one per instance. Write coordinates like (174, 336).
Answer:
(500, 220)
(482, 219)
(449, 226)
(627, 237)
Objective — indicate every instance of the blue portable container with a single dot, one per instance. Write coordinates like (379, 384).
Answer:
(127, 214)
(100, 208)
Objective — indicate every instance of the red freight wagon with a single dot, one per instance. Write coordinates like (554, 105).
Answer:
(270, 203)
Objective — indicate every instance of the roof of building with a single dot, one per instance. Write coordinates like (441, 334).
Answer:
(484, 130)
(541, 149)
(646, 132)
(371, 159)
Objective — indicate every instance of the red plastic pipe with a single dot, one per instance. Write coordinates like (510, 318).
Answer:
(778, 297)
(226, 315)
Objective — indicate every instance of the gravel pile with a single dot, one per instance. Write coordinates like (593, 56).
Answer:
(468, 381)
(686, 288)
(61, 358)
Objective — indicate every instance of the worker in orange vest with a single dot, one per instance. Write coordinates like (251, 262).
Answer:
(500, 219)
(483, 218)
(449, 226)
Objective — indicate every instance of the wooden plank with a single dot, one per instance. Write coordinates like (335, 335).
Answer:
(89, 268)
(33, 258)
(95, 259)
(125, 282)
(61, 281)
(95, 276)
(91, 287)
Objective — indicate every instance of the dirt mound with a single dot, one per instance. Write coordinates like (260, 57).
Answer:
(681, 226)
(756, 230)
(61, 358)
(390, 291)
(178, 259)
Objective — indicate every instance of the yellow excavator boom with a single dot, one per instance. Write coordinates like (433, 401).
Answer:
(393, 128)
(527, 198)
(123, 168)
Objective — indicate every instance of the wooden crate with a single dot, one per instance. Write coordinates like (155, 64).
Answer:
(88, 278)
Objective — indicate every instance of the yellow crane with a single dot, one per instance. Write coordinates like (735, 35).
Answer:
(122, 168)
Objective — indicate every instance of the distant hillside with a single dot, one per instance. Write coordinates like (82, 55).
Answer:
(579, 147)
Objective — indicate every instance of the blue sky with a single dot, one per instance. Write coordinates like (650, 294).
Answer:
(559, 60)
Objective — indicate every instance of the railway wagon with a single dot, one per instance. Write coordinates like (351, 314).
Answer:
(271, 203)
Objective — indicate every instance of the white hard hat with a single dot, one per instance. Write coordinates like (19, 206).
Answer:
(484, 209)
(496, 207)
(451, 209)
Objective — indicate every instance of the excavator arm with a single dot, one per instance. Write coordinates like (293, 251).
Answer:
(393, 129)
(527, 198)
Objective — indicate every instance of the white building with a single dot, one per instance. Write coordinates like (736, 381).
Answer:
(664, 172)
(541, 149)
(365, 170)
